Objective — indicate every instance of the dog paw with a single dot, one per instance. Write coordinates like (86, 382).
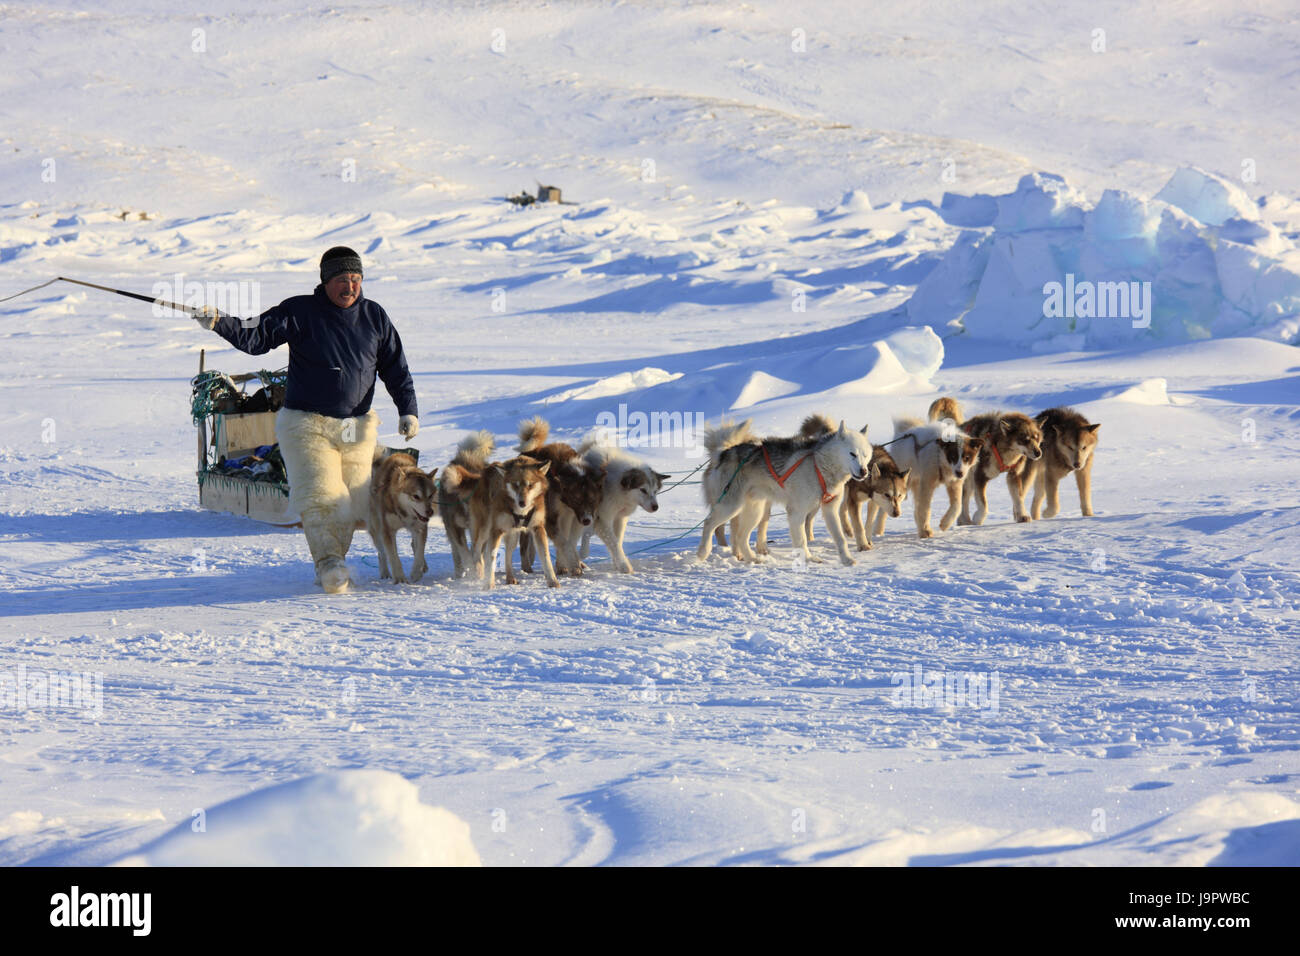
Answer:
(865, 547)
(925, 533)
(1024, 518)
(1088, 513)
(847, 561)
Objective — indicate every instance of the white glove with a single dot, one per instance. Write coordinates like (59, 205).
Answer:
(408, 426)
(207, 316)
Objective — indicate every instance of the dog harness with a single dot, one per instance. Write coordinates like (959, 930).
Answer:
(998, 455)
(827, 497)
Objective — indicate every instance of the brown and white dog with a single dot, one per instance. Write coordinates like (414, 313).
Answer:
(883, 491)
(1009, 439)
(401, 496)
(459, 479)
(933, 455)
(1069, 443)
(508, 501)
(574, 492)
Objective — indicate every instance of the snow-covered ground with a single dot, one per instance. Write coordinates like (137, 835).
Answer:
(757, 231)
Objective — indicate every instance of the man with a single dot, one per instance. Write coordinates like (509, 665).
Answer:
(338, 342)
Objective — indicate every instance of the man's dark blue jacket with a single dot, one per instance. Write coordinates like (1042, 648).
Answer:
(334, 354)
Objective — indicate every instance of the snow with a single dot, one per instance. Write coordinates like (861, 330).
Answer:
(1208, 198)
(1153, 391)
(343, 818)
(754, 232)
(1055, 272)
(619, 384)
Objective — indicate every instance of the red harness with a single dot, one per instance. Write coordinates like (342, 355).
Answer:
(998, 455)
(827, 497)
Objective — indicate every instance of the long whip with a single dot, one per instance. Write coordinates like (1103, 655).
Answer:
(188, 309)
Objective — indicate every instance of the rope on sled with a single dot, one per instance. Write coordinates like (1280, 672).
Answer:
(209, 389)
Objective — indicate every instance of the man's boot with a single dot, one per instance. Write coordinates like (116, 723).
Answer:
(327, 550)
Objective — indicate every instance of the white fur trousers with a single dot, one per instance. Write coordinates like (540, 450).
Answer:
(328, 462)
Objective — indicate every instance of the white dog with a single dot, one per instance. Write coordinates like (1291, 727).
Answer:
(933, 455)
(746, 472)
(629, 484)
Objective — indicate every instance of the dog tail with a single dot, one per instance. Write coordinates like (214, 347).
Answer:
(458, 481)
(594, 453)
(533, 433)
(727, 434)
(474, 449)
(816, 425)
(946, 407)
(906, 424)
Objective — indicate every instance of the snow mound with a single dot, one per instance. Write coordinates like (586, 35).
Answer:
(1209, 198)
(760, 387)
(1041, 201)
(21, 822)
(1153, 391)
(1229, 829)
(341, 818)
(1050, 271)
(855, 200)
(902, 363)
(614, 385)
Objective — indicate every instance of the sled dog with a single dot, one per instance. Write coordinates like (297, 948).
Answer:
(945, 408)
(932, 455)
(509, 500)
(1009, 439)
(459, 479)
(745, 472)
(629, 484)
(814, 426)
(883, 491)
(1069, 445)
(401, 496)
(573, 496)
